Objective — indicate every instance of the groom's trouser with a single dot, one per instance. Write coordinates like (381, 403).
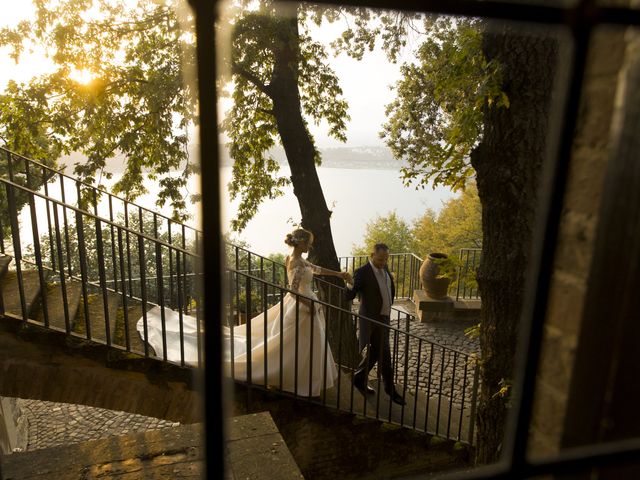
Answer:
(377, 351)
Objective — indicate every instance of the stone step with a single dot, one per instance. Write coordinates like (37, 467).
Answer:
(11, 291)
(175, 453)
(127, 325)
(55, 304)
(254, 449)
(96, 316)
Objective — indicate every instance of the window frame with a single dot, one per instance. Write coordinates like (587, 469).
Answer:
(579, 18)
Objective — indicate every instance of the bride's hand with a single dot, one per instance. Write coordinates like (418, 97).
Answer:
(346, 276)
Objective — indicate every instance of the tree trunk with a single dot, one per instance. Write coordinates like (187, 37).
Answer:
(301, 154)
(508, 164)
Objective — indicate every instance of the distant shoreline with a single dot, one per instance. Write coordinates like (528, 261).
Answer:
(350, 158)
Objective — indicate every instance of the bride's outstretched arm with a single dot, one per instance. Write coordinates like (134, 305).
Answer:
(332, 273)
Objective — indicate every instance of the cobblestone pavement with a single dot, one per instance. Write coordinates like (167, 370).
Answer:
(444, 363)
(53, 424)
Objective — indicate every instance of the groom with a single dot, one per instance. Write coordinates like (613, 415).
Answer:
(374, 286)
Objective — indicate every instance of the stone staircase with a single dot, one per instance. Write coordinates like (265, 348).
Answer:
(254, 450)
(65, 308)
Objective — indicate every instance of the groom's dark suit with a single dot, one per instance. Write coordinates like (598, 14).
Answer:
(376, 337)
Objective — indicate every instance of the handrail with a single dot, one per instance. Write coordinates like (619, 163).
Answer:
(101, 219)
(154, 290)
(342, 310)
(442, 381)
(93, 187)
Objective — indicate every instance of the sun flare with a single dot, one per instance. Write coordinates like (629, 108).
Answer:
(83, 76)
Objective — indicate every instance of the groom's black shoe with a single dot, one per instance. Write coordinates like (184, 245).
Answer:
(397, 398)
(364, 390)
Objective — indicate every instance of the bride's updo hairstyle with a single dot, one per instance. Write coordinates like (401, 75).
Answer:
(298, 236)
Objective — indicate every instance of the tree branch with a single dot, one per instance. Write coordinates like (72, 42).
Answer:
(237, 69)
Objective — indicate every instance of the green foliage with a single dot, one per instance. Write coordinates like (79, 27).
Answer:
(368, 27)
(257, 37)
(136, 103)
(473, 331)
(392, 230)
(459, 225)
(448, 266)
(110, 248)
(436, 119)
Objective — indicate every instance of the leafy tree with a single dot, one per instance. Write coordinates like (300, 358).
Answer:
(478, 103)
(392, 230)
(135, 104)
(436, 119)
(138, 104)
(459, 225)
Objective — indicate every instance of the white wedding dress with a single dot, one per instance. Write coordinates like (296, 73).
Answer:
(312, 354)
(172, 334)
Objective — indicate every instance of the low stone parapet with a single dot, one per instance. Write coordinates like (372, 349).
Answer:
(436, 310)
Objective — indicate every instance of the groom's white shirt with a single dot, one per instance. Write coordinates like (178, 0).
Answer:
(384, 282)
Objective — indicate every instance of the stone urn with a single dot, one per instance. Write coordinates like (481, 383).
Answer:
(435, 285)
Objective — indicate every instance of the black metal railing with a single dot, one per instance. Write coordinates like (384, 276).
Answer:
(466, 286)
(111, 264)
(71, 191)
(145, 260)
(439, 383)
(405, 268)
(64, 244)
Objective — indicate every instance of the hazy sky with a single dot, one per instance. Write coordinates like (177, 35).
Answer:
(365, 83)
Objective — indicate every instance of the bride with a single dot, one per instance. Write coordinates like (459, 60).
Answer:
(312, 353)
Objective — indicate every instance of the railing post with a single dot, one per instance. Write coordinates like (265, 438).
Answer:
(113, 245)
(123, 290)
(82, 253)
(248, 339)
(38, 254)
(160, 290)
(66, 226)
(17, 249)
(51, 243)
(103, 281)
(63, 286)
(143, 294)
(171, 296)
(474, 402)
(181, 306)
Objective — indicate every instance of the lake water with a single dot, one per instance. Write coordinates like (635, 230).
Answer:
(355, 196)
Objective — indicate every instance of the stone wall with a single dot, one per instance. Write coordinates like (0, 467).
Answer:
(13, 426)
(42, 364)
(574, 249)
(327, 444)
